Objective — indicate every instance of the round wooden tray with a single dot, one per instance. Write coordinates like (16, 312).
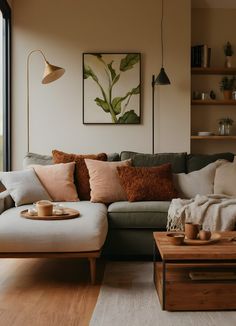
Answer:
(69, 213)
(215, 237)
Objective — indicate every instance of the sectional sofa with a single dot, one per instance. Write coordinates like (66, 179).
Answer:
(129, 224)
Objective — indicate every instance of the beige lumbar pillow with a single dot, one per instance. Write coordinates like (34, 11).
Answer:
(104, 181)
(225, 179)
(199, 182)
(58, 180)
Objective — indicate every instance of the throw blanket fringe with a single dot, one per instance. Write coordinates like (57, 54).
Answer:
(213, 212)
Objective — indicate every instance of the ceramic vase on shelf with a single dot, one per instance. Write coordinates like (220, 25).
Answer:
(228, 61)
(227, 94)
(224, 129)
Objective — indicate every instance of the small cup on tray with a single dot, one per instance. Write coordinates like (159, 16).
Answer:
(176, 238)
(44, 208)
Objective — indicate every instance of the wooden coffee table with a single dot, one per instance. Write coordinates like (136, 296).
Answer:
(195, 277)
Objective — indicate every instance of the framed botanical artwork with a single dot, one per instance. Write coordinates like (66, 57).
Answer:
(111, 88)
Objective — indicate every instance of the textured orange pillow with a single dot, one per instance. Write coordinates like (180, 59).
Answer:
(104, 181)
(58, 180)
(147, 183)
(81, 171)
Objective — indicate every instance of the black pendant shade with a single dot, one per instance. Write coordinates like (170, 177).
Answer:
(162, 78)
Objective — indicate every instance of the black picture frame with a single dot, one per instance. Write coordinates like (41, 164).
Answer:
(113, 59)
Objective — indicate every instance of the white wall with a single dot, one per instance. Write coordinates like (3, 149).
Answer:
(65, 29)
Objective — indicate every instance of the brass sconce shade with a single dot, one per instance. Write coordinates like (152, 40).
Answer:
(52, 73)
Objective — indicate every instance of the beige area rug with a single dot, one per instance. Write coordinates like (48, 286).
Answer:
(128, 298)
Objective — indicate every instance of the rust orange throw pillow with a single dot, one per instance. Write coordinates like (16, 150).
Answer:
(81, 171)
(147, 183)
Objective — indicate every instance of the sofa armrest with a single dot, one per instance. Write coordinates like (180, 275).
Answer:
(6, 201)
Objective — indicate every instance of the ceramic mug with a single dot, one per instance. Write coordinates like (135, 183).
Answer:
(191, 230)
(44, 208)
(205, 235)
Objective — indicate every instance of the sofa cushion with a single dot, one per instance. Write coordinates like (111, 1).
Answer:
(200, 182)
(177, 160)
(113, 157)
(129, 215)
(225, 179)
(6, 201)
(199, 161)
(58, 180)
(24, 186)
(33, 158)
(104, 181)
(85, 233)
(81, 171)
(147, 183)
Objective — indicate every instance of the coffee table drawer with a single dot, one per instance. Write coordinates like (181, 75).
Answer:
(215, 290)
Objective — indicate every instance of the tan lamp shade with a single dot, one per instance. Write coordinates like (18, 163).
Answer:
(51, 73)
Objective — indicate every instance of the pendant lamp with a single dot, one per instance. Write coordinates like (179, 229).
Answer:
(161, 79)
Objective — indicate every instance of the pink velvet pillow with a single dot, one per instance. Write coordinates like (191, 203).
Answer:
(104, 181)
(58, 180)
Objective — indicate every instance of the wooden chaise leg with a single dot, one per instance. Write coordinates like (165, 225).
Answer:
(92, 262)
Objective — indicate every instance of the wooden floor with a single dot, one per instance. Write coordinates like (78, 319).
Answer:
(43, 292)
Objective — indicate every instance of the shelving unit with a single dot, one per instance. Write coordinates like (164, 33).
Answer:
(195, 103)
(209, 38)
(213, 102)
(213, 71)
(216, 137)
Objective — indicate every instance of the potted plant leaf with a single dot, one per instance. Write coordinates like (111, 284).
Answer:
(228, 50)
(225, 126)
(227, 85)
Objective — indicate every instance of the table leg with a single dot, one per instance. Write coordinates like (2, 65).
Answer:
(163, 284)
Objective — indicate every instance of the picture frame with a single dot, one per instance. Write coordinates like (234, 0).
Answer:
(111, 88)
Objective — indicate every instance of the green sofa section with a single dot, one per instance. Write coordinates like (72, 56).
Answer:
(138, 215)
(131, 226)
(122, 243)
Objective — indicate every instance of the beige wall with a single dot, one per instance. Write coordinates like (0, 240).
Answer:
(213, 27)
(65, 29)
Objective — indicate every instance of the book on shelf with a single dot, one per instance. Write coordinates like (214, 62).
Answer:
(200, 56)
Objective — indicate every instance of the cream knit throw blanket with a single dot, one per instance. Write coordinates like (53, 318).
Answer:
(216, 212)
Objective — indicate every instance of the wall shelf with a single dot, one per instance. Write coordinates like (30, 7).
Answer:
(213, 102)
(213, 71)
(217, 137)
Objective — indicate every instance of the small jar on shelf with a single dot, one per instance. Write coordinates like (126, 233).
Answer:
(225, 125)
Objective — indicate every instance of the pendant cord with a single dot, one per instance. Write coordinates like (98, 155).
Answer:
(162, 13)
(153, 114)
